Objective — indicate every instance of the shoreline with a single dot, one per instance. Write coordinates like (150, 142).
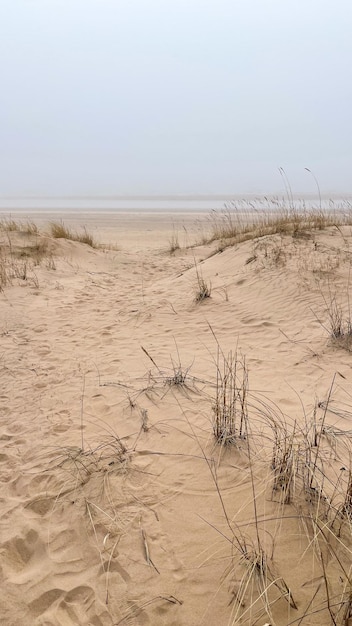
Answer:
(166, 204)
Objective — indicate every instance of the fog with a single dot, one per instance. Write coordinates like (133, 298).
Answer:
(105, 97)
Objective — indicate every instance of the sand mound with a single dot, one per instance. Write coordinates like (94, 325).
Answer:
(118, 506)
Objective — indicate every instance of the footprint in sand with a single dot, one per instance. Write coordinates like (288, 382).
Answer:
(77, 606)
(43, 349)
(37, 486)
(40, 506)
(80, 595)
(17, 552)
(40, 329)
(113, 566)
(44, 602)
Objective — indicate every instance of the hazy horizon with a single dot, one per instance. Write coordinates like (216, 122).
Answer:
(145, 98)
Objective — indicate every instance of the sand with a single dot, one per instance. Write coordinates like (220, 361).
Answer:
(117, 504)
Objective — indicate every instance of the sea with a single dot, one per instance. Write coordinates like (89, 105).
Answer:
(172, 203)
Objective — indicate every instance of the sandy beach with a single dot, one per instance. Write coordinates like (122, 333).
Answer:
(125, 499)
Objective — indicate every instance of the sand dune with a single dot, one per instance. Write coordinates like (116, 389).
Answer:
(117, 504)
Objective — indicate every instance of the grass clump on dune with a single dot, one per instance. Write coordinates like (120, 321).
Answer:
(21, 249)
(203, 289)
(59, 230)
(12, 269)
(11, 225)
(237, 223)
(339, 325)
(230, 403)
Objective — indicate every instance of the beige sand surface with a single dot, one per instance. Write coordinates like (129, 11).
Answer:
(117, 506)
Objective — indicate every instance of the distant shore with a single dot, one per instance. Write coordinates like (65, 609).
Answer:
(162, 203)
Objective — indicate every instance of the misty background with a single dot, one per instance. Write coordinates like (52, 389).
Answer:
(112, 97)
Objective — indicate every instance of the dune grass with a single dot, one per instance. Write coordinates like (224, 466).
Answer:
(22, 248)
(58, 230)
(288, 465)
(12, 269)
(174, 243)
(10, 225)
(240, 222)
(230, 402)
(340, 325)
(308, 488)
(202, 287)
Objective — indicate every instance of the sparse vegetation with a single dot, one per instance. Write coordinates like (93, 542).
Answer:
(246, 221)
(230, 403)
(315, 492)
(11, 225)
(12, 268)
(339, 321)
(21, 249)
(268, 486)
(340, 325)
(203, 289)
(176, 376)
(59, 230)
(174, 243)
(36, 251)
(310, 500)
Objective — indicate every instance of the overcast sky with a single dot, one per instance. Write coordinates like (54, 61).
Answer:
(174, 96)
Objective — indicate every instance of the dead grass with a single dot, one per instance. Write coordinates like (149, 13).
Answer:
(339, 317)
(59, 230)
(230, 413)
(308, 488)
(202, 289)
(11, 225)
(36, 250)
(174, 243)
(17, 270)
(177, 376)
(22, 248)
(237, 223)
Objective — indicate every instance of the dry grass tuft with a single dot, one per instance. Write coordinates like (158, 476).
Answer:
(111, 453)
(203, 289)
(340, 326)
(35, 251)
(13, 269)
(59, 230)
(339, 323)
(11, 225)
(21, 249)
(230, 413)
(176, 376)
(174, 243)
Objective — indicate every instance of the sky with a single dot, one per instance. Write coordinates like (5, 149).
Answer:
(113, 97)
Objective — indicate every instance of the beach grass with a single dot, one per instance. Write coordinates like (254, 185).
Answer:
(58, 230)
(237, 223)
